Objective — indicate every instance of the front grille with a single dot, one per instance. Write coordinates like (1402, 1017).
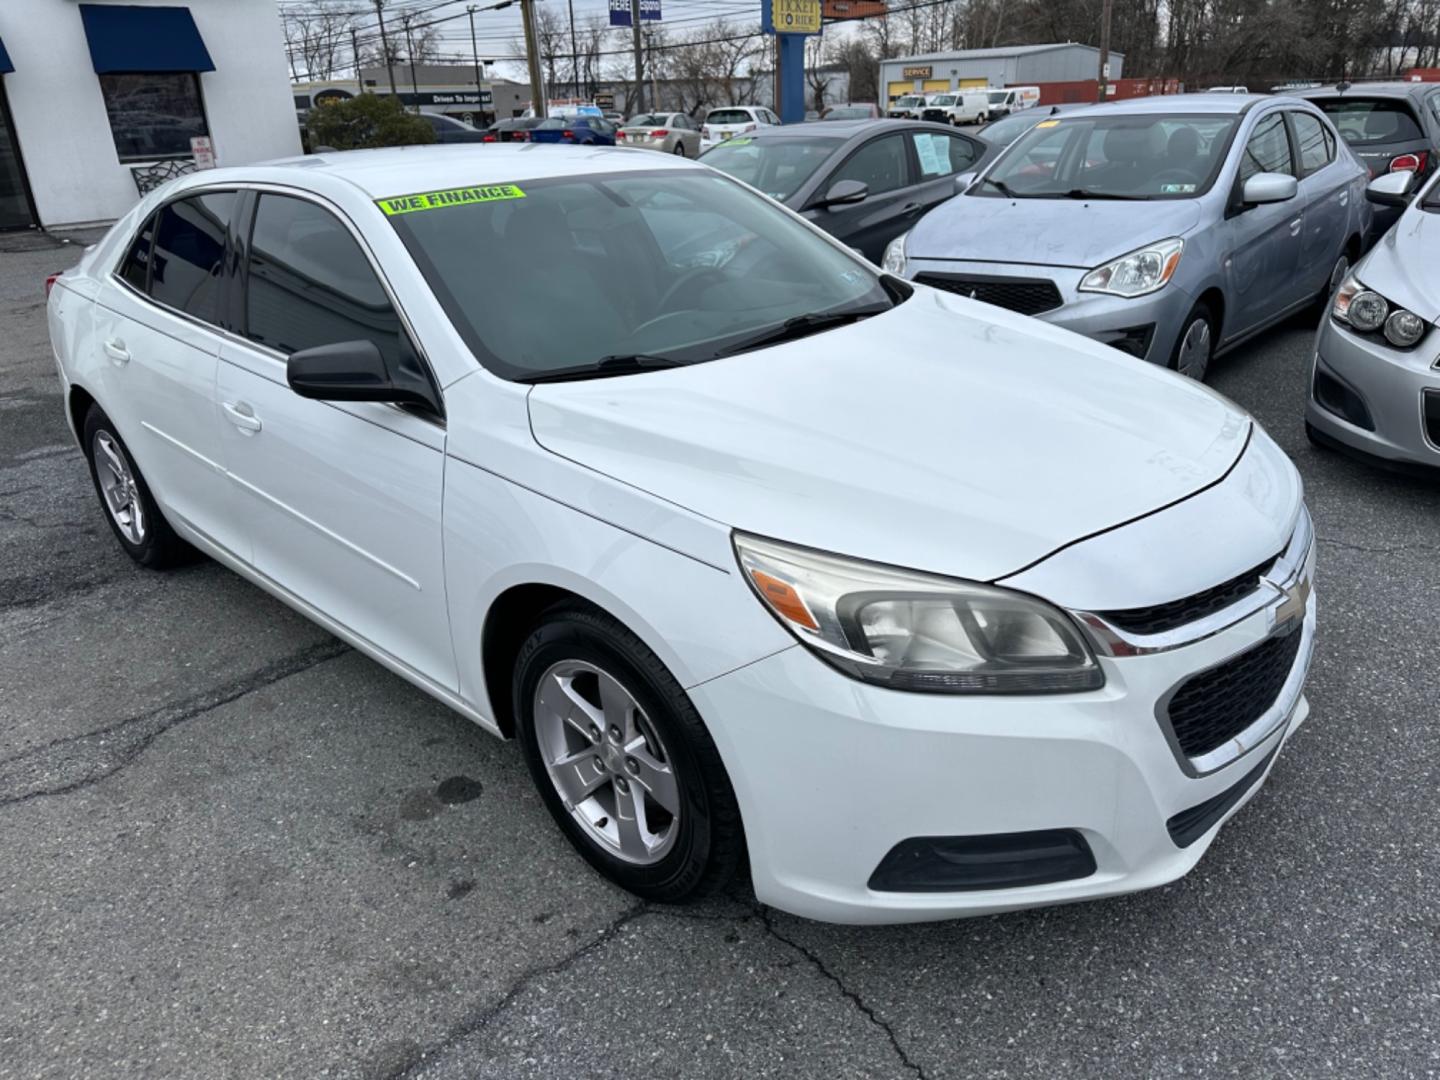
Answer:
(1211, 708)
(937, 115)
(1028, 296)
(1158, 618)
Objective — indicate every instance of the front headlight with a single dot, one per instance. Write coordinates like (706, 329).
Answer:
(1367, 311)
(1138, 273)
(913, 631)
(894, 260)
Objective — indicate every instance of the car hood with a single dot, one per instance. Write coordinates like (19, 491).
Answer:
(1401, 268)
(942, 435)
(1046, 232)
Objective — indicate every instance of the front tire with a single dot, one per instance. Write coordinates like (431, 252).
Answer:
(1195, 347)
(134, 517)
(622, 760)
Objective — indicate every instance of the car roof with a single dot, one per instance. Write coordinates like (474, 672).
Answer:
(1364, 90)
(843, 129)
(404, 170)
(1190, 104)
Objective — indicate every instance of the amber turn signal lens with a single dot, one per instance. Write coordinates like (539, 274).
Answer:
(784, 599)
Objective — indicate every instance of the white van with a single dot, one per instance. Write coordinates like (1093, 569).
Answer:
(906, 107)
(957, 107)
(1011, 99)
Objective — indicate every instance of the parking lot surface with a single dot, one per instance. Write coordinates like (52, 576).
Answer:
(231, 846)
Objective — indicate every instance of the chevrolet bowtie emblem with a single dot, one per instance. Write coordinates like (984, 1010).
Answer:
(1294, 598)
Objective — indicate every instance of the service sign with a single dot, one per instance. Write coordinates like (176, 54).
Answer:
(915, 72)
(792, 16)
(203, 151)
(620, 12)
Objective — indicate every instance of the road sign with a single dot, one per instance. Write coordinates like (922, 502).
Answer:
(620, 12)
(791, 16)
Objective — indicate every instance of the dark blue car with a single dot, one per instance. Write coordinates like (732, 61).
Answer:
(580, 130)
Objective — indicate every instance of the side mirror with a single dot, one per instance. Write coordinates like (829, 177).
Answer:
(1392, 189)
(356, 371)
(1268, 187)
(845, 192)
(963, 181)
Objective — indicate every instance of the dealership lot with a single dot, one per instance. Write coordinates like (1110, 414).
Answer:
(232, 846)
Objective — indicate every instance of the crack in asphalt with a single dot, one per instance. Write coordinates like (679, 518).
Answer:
(527, 978)
(79, 753)
(479, 1021)
(854, 997)
(1378, 550)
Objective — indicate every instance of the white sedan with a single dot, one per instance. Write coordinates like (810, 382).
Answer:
(922, 607)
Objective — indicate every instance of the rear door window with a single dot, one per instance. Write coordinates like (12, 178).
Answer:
(940, 154)
(189, 253)
(1372, 121)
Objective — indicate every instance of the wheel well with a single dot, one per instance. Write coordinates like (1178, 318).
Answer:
(1214, 299)
(508, 623)
(1352, 248)
(79, 404)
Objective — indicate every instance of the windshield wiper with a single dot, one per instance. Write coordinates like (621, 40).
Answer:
(1082, 193)
(606, 366)
(804, 325)
(1000, 186)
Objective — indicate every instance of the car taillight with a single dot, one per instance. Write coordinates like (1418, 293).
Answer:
(620, 135)
(750, 127)
(567, 134)
(50, 283)
(659, 133)
(1410, 162)
(705, 130)
(521, 136)
(488, 138)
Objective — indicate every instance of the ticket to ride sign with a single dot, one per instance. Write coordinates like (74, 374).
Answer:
(791, 16)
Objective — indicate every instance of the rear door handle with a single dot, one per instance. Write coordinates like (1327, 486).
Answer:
(116, 351)
(911, 208)
(242, 416)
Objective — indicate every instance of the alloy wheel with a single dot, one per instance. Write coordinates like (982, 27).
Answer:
(118, 488)
(606, 761)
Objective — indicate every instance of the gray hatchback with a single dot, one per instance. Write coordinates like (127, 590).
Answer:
(1170, 227)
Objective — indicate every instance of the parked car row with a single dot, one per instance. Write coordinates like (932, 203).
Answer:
(978, 105)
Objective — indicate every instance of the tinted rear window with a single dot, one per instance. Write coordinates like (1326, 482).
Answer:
(189, 248)
(1372, 121)
(729, 116)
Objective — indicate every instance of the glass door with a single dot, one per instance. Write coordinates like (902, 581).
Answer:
(15, 209)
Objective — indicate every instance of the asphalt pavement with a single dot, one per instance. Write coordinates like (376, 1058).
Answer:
(231, 846)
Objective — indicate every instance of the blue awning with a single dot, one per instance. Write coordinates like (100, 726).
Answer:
(148, 39)
(5, 65)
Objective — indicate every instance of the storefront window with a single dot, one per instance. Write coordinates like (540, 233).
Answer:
(153, 116)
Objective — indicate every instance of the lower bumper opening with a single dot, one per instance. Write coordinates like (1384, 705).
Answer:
(1334, 396)
(1189, 825)
(994, 861)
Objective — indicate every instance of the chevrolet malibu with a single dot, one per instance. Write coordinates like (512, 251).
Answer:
(918, 607)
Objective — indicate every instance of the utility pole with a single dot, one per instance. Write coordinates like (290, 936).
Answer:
(355, 52)
(385, 48)
(639, 57)
(574, 51)
(475, 55)
(410, 48)
(532, 56)
(1105, 13)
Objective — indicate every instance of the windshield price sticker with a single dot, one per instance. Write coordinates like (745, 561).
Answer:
(1047, 123)
(439, 200)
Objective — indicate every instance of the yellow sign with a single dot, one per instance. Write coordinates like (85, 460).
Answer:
(439, 200)
(1047, 123)
(795, 16)
(916, 72)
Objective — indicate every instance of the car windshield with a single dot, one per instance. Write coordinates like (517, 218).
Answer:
(729, 116)
(777, 166)
(1136, 156)
(848, 112)
(556, 277)
(1004, 132)
(943, 99)
(998, 97)
(1371, 121)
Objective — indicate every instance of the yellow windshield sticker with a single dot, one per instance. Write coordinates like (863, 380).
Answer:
(439, 200)
(1047, 123)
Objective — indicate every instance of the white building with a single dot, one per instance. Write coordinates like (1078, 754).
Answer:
(94, 96)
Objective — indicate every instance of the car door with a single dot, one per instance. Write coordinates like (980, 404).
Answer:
(157, 320)
(938, 158)
(1263, 251)
(883, 165)
(1325, 189)
(343, 499)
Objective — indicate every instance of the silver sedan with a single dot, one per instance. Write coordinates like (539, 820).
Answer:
(1375, 374)
(670, 133)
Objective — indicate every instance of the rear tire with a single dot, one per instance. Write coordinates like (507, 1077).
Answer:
(129, 507)
(679, 149)
(1195, 347)
(581, 677)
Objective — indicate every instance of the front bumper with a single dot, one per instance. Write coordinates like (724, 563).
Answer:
(1157, 319)
(1389, 422)
(832, 774)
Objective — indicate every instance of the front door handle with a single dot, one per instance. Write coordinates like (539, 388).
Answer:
(116, 351)
(242, 416)
(911, 208)
(1296, 225)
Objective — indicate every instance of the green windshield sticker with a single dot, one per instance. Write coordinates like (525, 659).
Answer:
(439, 200)
(737, 142)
